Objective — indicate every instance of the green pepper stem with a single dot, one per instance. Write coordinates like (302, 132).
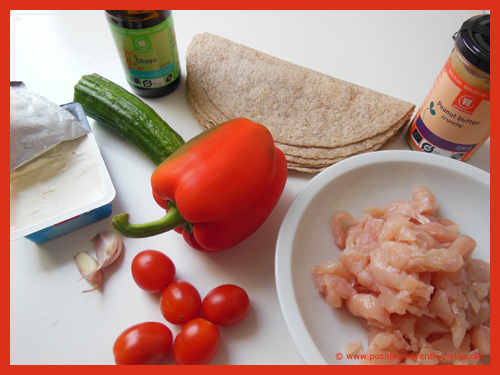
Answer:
(173, 219)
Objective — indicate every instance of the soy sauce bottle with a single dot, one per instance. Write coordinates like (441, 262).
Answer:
(145, 40)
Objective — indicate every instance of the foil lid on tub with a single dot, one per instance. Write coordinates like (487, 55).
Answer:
(37, 125)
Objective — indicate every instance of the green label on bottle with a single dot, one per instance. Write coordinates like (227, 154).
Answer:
(149, 56)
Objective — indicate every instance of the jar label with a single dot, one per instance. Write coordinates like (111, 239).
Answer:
(454, 120)
(149, 56)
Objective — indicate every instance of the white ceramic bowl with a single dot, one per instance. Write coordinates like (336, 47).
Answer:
(378, 178)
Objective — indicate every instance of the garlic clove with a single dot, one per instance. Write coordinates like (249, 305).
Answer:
(88, 268)
(108, 247)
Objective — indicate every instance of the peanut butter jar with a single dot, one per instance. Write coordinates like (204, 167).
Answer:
(454, 120)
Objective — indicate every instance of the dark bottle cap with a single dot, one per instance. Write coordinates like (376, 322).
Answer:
(473, 41)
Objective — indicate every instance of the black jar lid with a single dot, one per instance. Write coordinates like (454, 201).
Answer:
(473, 41)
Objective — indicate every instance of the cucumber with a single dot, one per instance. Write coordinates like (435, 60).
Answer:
(123, 112)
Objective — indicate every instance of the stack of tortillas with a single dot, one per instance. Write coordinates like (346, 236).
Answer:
(315, 119)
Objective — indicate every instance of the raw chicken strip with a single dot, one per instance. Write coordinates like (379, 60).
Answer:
(411, 279)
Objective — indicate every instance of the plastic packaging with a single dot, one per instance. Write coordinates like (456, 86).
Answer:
(69, 221)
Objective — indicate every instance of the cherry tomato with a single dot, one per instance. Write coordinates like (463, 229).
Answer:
(180, 302)
(152, 271)
(143, 344)
(226, 305)
(196, 343)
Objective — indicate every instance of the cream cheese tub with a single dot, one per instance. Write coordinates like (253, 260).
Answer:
(63, 190)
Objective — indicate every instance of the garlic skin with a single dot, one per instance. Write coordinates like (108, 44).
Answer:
(88, 268)
(108, 247)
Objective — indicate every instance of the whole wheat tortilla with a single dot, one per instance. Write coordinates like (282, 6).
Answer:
(201, 119)
(319, 162)
(300, 107)
(298, 163)
(315, 119)
(211, 113)
(311, 168)
(304, 155)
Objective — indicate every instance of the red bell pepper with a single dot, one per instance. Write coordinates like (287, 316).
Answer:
(218, 188)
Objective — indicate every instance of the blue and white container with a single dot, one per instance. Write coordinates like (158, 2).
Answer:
(91, 212)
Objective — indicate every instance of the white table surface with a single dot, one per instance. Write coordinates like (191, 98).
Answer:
(399, 53)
